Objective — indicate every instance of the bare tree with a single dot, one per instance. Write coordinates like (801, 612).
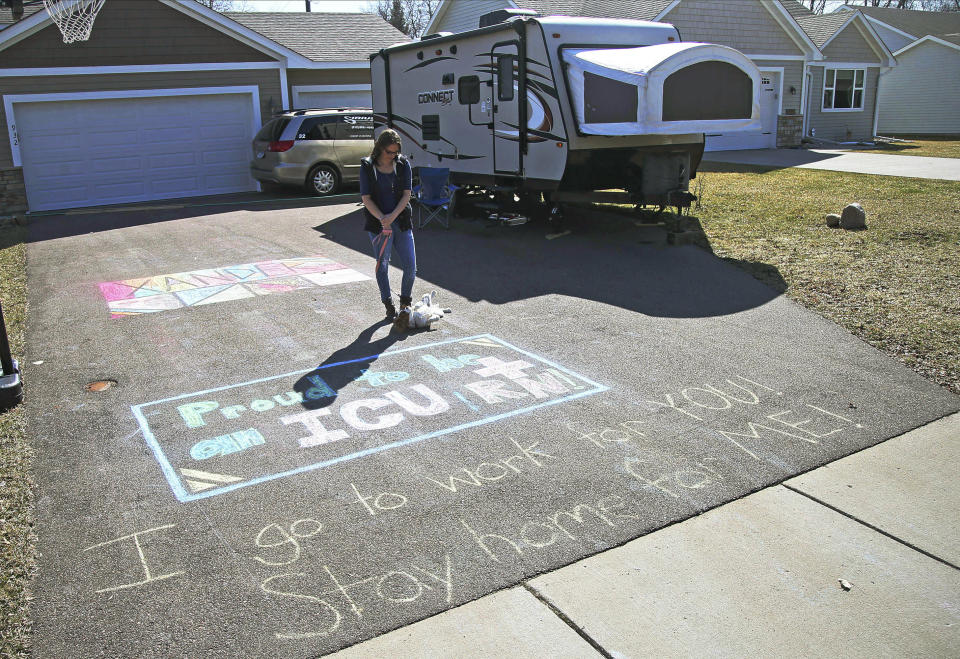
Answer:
(817, 6)
(409, 16)
(225, 5)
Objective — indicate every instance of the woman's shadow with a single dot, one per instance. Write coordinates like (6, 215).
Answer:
(320, 387)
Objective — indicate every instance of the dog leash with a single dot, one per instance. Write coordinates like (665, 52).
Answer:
(384, 234)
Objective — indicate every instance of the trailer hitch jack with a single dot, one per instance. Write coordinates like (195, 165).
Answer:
(11, 387)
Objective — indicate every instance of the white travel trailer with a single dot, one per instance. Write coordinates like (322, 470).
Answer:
(606, 104)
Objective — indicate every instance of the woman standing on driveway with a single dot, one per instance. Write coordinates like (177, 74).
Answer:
(385, 185)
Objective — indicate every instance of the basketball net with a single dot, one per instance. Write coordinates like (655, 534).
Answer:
(74, 17)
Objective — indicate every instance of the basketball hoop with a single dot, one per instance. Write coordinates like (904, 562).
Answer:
(74, 17)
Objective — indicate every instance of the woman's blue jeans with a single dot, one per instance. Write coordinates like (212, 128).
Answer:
(402, 242)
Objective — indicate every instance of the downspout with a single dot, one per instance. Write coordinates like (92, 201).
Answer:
(876, 100)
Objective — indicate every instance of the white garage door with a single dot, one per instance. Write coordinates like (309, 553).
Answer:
(332, 99)
(766, 137)
(111, 151)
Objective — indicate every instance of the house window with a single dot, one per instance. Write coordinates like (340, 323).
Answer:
(843, 89)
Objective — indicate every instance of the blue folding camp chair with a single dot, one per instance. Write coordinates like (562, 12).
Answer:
(435, 196)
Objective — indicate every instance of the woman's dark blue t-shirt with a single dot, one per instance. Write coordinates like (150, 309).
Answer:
(388, 192)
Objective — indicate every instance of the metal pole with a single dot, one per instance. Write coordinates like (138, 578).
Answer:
(6, 359)
(308, 4)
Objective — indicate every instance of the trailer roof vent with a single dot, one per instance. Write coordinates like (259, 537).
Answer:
(435, 35)
(504, 15)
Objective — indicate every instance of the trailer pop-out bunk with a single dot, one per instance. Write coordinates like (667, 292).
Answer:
(564, 106)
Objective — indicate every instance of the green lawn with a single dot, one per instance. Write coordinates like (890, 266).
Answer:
(896, 284)
(926, 146)
(17, 540)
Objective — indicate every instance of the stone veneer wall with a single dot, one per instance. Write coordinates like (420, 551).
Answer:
(789, 130)
(13, 192)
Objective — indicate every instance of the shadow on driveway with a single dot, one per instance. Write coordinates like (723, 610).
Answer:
(607, 261)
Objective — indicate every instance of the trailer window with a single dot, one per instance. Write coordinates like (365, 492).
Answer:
(505, 77)
(468, 90)
(608, 101)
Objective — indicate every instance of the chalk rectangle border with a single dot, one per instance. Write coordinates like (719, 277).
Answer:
(184, 496)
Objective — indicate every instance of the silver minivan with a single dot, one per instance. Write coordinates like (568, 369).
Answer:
(317, 149)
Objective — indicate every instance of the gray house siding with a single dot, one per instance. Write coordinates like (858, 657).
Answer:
(129, 32)
(842, 126)
(792, 77)
(461, 15)
(746, 26)
(850, 46)
(915, 98)
(268, 82)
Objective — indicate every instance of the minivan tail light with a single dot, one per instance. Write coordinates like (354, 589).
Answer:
(281, 145)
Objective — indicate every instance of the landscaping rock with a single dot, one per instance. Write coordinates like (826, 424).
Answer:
(833, 220)
(853, 217)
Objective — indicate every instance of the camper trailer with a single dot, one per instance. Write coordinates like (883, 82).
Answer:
(561, 105)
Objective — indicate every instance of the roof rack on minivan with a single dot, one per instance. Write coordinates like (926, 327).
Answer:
(301, 111)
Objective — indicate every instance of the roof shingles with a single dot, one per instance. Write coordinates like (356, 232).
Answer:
(323, 36)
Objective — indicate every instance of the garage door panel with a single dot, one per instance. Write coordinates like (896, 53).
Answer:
(223, 181)
(179, 159)
(178, 184)
(92, 152)
(120, 189)
(350, 99)
(228, 157)
(119, 166)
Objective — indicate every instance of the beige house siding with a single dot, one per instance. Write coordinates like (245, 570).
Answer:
(132, 32)
(850, 46)
(917, 96)
(464, 14)
(299, 77)
(746, 26)
(268, 82)
(842, 126)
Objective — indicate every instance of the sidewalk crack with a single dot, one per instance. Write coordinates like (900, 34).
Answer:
(572, 625)
(872, 527)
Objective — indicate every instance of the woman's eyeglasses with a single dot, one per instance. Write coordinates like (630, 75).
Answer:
(392, 152)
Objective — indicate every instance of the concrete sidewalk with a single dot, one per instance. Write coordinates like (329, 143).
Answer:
(857, 558)
(883, 164)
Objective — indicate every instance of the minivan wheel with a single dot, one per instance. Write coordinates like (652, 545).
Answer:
(323, 180)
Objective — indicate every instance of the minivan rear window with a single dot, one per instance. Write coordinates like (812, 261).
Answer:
(272, 130)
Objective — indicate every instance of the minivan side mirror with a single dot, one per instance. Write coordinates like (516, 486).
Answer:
(468, 90)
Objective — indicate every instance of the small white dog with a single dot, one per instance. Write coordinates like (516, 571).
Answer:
(425, 312)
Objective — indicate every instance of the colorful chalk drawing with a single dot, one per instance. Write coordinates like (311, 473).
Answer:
(215, 441)
(133, 297)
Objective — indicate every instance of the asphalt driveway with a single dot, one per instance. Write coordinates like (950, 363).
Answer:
(272, 472)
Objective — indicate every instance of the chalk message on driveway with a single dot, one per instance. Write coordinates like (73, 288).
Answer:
(221, 439)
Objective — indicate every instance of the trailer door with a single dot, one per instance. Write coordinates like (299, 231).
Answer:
(504, 62)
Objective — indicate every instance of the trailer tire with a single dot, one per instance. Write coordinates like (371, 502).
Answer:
(323, 180)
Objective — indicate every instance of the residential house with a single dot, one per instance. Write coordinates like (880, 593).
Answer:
(769, 32)
(843, 85)
(921, 96)
(165, 97)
